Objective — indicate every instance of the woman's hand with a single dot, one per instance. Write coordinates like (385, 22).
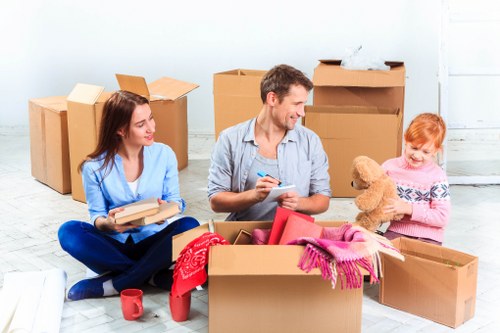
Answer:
(159, 203)
(109, 224)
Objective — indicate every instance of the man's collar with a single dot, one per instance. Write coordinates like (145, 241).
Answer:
(250, 133)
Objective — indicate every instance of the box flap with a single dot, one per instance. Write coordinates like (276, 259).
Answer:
(135, 84)
(353, 122)
(243, 72)
(54, 103)
(167, 88)
(338, 62)
(329, 73)
(229, 231)
(267, 260)
(179, 241)
(85, 94)
(431, 252)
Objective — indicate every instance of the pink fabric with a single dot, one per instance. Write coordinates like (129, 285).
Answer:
(345, 250)
(260, 236)
(189, 270)
(427, 189)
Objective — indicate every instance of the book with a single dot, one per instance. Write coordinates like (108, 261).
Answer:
(146, 212)
(167, 210)
(277, 191)
(279, 222)
(297, 227)
(137, 210)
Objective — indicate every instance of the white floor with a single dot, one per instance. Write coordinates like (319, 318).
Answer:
(32, 213)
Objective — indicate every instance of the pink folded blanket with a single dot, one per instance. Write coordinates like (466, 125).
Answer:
(346, 250)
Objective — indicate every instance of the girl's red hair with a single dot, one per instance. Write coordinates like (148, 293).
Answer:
(424, 128)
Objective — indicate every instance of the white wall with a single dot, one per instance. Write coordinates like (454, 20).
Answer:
(47, 46)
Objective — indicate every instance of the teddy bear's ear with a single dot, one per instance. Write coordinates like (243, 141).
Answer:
(367, 168)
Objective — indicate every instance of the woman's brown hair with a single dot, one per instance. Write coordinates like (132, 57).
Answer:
(116, 115)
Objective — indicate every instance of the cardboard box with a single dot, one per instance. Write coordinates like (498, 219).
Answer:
(85, 104)
(335, 86)
(433, 282)
(49, 142)
(168, 102)
(236, 97)
(350, 131)
(259, 288)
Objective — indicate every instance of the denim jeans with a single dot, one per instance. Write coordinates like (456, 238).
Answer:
(131, 264)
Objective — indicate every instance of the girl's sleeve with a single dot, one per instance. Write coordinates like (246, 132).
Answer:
(437, 213)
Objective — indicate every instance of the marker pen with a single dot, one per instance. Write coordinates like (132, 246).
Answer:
(263, 174)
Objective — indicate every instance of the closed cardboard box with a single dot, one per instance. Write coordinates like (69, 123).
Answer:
(335, 86)
(49, 142)
(236, 97)
(259, 288)
(433, 282)
(168, 102)
(350, 131)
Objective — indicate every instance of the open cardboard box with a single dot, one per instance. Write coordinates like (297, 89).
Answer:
(49, 148)
(168, 102)
(335, 86)
(350, 131)
(259, 288)
(236, 97)
(433, 282)
(85, 105)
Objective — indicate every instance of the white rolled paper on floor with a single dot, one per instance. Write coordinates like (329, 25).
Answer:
(33, 301)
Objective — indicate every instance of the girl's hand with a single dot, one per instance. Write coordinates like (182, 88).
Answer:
(398, 206)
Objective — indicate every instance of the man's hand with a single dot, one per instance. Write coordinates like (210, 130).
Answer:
(263, 187)
(289, 200)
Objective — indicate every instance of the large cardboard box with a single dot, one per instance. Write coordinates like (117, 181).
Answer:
(168, 102)
(49, 142)
(336, 86)
(259, 288)
(85, 104)
(236, 97)
(350, 131)
(433, 282)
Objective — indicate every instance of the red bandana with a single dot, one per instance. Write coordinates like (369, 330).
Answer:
(189, 270)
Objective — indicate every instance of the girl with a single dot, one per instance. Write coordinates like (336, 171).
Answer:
(421, 184)
(126, 166)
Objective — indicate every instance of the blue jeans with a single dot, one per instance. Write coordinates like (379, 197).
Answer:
(131, 264)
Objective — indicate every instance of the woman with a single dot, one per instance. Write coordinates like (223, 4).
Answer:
(127, 166)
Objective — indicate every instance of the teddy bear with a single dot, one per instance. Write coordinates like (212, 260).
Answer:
(378, 188)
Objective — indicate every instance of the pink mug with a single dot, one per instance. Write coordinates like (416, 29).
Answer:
(131, 303)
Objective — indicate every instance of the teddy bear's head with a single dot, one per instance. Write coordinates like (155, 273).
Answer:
(364, 172)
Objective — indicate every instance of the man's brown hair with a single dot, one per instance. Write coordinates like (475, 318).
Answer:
(279, 79)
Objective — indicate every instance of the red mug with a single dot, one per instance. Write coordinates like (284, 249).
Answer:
(180, 306)
(131, 303)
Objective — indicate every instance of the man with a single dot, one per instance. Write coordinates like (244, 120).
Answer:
(272, 143)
